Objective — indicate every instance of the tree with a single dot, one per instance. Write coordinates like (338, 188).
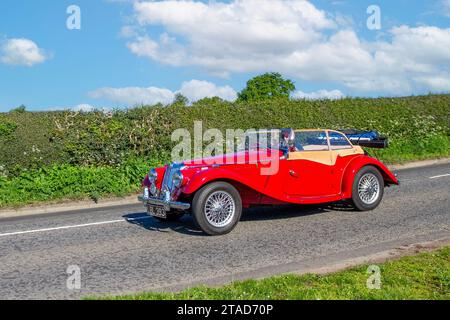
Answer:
(210, 101)
(180, 100)
(266, 86)
(20, 109)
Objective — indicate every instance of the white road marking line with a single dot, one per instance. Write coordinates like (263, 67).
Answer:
(441, 176)
(71, 226)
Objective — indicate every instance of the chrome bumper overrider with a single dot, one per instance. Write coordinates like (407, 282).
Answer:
(168, 205)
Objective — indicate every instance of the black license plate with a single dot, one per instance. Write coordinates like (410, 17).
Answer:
(157, 211)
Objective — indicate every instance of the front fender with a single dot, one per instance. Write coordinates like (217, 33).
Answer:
(353, 168)
(203, 177)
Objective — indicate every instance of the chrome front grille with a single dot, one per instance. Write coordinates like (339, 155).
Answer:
(167, 179)
(167, 188)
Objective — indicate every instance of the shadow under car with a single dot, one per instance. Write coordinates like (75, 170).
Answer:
(187, 226)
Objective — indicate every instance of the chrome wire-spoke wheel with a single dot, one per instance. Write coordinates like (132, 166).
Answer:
(220, 209)
(369, 188)
(217, 208)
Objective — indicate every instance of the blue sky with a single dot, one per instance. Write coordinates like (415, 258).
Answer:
(126, 53)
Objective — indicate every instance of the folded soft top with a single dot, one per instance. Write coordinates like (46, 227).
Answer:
(369, 139)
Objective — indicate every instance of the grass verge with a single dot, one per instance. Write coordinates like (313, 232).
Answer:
(423, 276)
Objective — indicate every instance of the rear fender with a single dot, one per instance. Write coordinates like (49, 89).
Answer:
(353, 168)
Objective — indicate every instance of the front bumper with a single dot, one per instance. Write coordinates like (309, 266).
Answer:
(168, 205)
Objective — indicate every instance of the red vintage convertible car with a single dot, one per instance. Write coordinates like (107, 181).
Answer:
(313, 167)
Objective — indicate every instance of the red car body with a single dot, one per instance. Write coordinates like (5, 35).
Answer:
(303, 176)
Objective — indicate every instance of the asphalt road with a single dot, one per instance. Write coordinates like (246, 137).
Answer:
(121, 250)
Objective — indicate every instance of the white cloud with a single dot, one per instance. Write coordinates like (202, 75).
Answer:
(83, 108)
(134, 95)
(446, 7)
(167, 50)
(292, 37)
(320, 94)
(194, 90)
(437, 83)
(21, 52)
(219, 35)
(128, 32)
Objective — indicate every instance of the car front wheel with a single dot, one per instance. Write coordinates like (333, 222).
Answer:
(368, 189)
(217, 208)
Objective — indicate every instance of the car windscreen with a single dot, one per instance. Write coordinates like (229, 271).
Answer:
(267, 139)
(311, 141)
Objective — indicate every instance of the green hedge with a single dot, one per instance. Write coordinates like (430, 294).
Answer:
(73, 182)
(30, 140)
(39, 149)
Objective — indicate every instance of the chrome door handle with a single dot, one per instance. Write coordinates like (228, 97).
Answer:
(293, 174)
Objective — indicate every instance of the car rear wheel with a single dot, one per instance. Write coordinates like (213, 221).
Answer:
(217, 208)
(368, 189)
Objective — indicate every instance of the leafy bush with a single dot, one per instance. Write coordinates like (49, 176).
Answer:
(69, 181)
(108, 139)
(30, 145)
(6, 127)
(19, 109)
(48, 155)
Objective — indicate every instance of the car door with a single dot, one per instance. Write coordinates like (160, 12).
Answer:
(309, 166)
(342, 152)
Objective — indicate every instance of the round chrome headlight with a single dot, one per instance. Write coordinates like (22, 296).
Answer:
(153, 176)
(177, 179)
